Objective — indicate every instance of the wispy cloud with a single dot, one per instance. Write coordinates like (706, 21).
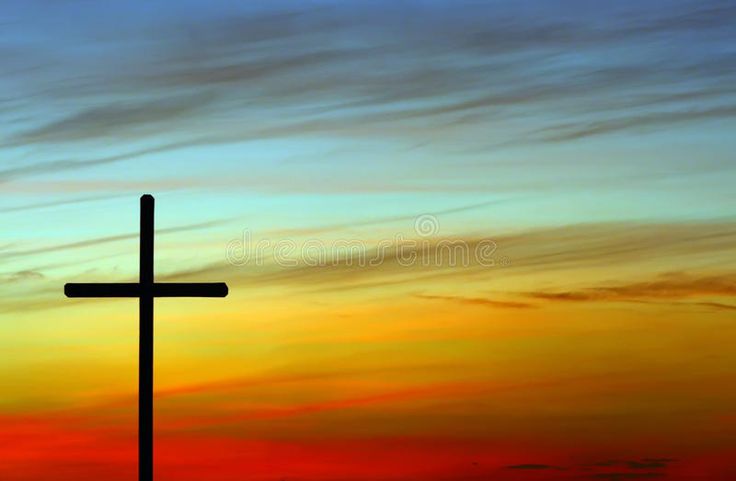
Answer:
(103, 240)
(479, 301)
(20, 276)
(418, 70)
(523, 253)
(52, 166)
(652, 120)
(55, 203)
(669, 287)
(120, 120)
(554, 249)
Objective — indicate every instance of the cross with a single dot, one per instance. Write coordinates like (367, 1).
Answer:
(145, 290)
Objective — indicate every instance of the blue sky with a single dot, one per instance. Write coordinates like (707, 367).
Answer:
(272, 114)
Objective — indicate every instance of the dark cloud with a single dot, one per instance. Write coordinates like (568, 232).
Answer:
(533, 467)
(671, 286)
(648, 121)
(664, 461)
(477, 301)
(115, 121)
(637, 464)
(20, 276)
(716, 305)
(63, 165)
(646, 464)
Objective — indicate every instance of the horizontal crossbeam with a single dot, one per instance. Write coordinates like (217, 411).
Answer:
(159, 289)
(102, 290)
(189, 289)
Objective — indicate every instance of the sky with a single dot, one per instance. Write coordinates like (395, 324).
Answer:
(464, 240)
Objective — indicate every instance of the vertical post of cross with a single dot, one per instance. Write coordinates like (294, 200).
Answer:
(145, 347)
(146, 289)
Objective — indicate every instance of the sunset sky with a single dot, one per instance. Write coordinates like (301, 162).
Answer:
(546, 191)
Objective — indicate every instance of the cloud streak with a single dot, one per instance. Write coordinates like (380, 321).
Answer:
(286, 71)
(479, 301)
(667, 287)
(103, 240)
(115, 121)
(524, 253)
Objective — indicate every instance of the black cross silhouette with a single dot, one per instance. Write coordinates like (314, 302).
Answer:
(145, 291)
